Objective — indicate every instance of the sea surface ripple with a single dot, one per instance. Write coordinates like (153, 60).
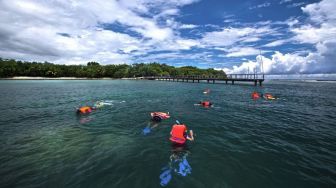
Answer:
(288, 142)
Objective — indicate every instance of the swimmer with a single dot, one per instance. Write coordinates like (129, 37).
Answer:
(268, 96)
(205, 103)
(159, 116)
(85, 109)
(207, 91)
(255, 95)
(179, 134)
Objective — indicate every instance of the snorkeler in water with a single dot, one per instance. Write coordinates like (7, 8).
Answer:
(156, 117)
(268, 96)
(205, 104)
(159, 116)
(255, 95)
(85, 109)
(179, 134)
(206, 91)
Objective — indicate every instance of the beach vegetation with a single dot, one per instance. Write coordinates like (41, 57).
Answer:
(11, 68)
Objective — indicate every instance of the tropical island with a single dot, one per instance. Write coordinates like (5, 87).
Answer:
(13, 68)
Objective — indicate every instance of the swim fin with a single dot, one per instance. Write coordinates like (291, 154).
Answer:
(165, 177)
(184, 167)
(146, 130)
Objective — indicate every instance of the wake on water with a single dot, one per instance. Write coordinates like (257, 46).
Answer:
(102, 103)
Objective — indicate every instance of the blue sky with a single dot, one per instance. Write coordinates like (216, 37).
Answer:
(286, 36)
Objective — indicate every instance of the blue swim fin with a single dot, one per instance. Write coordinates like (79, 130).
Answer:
(184, 167)
(187, 166)
(146, 130)
(165, 177)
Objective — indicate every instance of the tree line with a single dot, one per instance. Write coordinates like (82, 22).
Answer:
(11, 67)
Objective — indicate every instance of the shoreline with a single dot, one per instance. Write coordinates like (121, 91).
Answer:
(139, 78)
(65, 78)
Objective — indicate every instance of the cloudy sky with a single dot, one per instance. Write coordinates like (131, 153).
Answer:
(288, 36)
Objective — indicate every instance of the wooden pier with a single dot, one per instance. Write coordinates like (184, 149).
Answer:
(230, 78)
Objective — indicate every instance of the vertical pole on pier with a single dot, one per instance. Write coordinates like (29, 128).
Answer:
(225, 81)
(208, 81)
(255, 83)
(232, 82)
(193, 81)
(260, 82)
(198, 81)
(262, 65)
(213, 81)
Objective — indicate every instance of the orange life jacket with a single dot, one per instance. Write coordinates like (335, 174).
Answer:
(177, 133)
(255, 95)
(85, 109)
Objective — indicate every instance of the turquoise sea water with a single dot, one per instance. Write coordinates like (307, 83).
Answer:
(289, 142)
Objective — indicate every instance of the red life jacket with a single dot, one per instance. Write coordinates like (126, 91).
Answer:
(177, 134)
(206, 103)
(255, 96)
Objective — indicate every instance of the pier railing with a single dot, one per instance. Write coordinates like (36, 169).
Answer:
(255, 78)
(223, 77)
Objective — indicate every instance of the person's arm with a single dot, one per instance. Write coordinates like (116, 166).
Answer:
(191, 137)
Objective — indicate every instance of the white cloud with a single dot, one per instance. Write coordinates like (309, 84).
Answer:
(313, 35)
(320, 31)
(323, 26)
(321, 61)
(188, 26)
(250, 39)
(184, 59)
(242, 51)
(284, 1)
(322, 11)
(296, 5)
(291, 22)
(263, 5)
(229, 20)
(229, 36)
(71, 32)
(186, 43)
(276, 43)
